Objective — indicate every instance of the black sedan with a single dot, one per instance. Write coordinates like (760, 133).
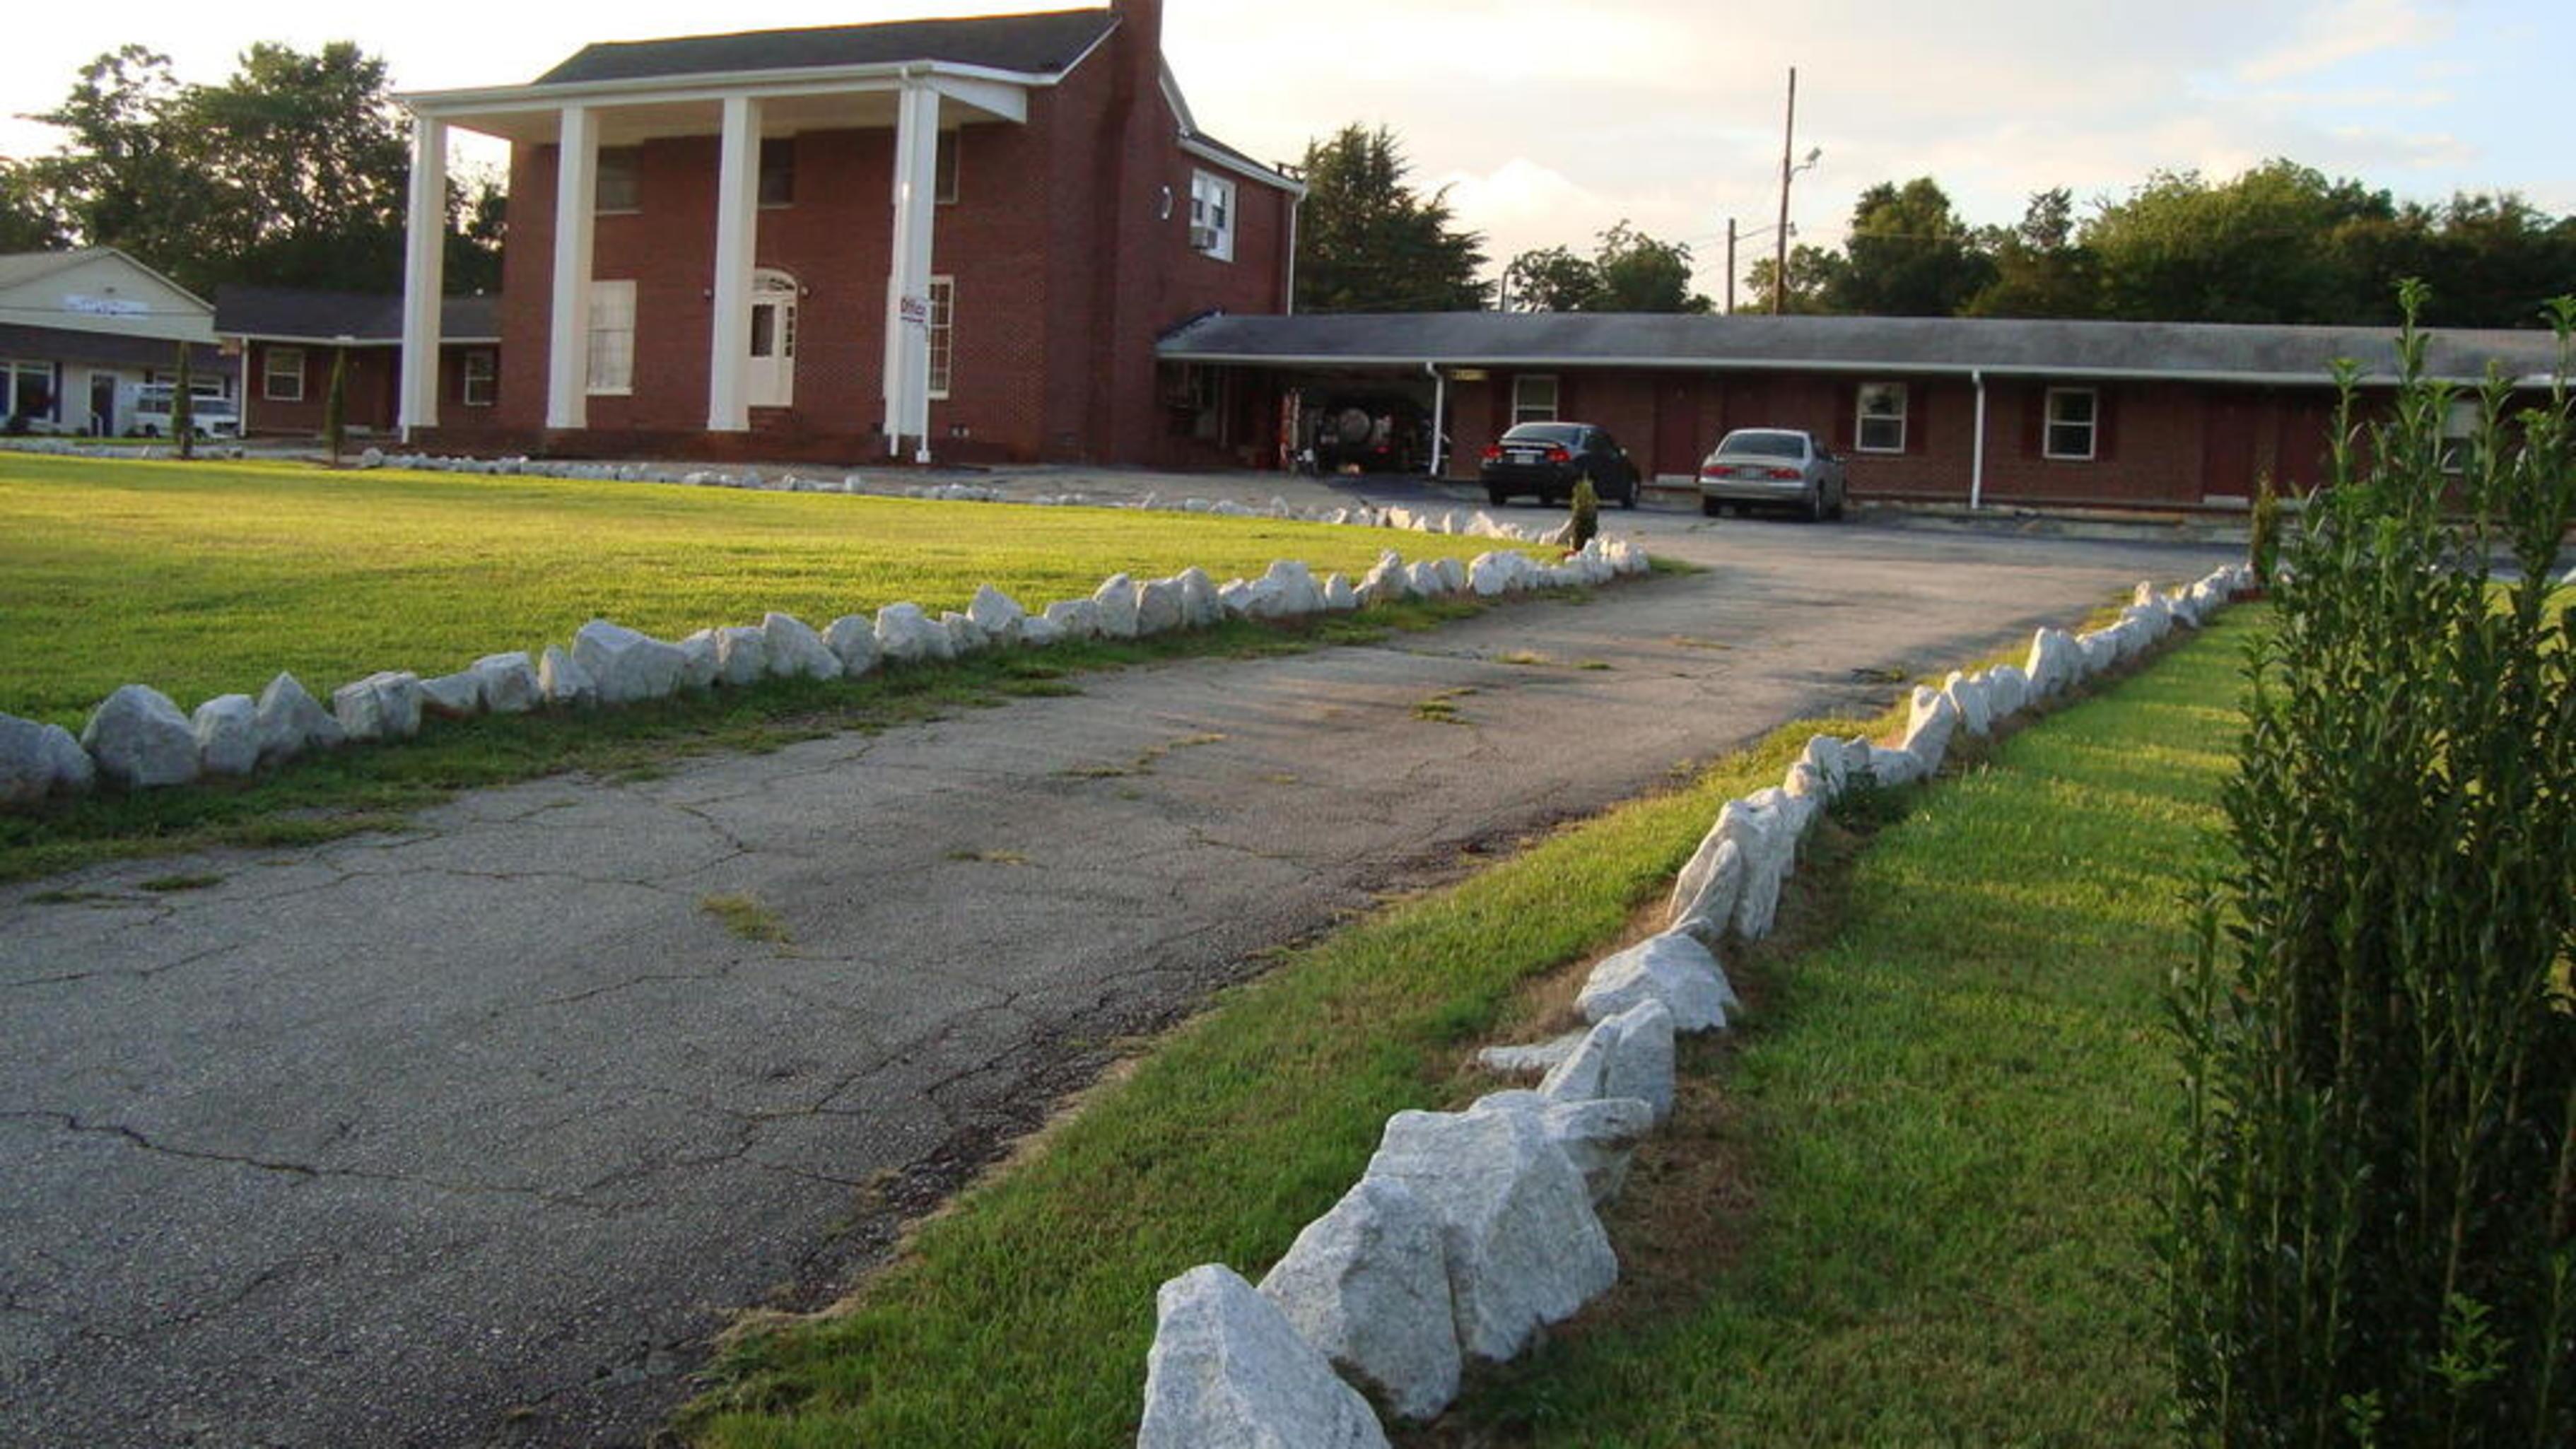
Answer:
(1548, 459)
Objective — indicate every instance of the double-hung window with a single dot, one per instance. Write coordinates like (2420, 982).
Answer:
(615, 187)
(1212, 215)
(2073, 423)
(1534, 398)
(482, 377)
(281, 374)
(612, 336)
(1881, 416)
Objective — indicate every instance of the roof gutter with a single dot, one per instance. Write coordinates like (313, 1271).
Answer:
(2320, 378)
(791, 80)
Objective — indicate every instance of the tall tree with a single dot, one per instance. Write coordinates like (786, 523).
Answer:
(1812, 273)
(1552, 279)
(1628, 272)
(129, 174)
(29, 219)
(2280, 243)
(1368, 243)
(2040, 269)
(1908, 255)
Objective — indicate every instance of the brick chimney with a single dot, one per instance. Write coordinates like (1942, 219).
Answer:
(1140, 26)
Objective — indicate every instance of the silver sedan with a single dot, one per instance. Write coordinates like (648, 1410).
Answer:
(1775, 468)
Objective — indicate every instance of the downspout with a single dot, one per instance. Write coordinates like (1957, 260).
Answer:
(1288, 300)
(1439, 411)
(1977, 458)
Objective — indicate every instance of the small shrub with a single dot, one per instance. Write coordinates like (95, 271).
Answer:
(1586, 514)
(183, 405)
(2263, 535)
(2373, 1221)
(335, 405)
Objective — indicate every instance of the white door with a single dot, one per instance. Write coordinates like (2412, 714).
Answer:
(770, 376)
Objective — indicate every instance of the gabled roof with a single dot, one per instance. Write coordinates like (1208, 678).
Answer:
(2182, 351)
(295, 314)
(21, 267)
(1040, 44)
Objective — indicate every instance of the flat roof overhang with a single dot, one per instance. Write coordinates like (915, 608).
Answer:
(805, 99)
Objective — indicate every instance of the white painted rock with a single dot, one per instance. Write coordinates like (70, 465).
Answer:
(1831, 757)
(1075, 618)
(452, 696)
(139, 739)
(1453, 575)
(1366, 1284)
(963, 637)
(227, 730)
(906, 635)
(2053, 663)
(2007, 692)
(1517, 1231)
(997, 614)
(36, 761)
(1339, 596)
(627, 665)
(742, 655)
(1116, 600)
(1597, 1134)
(290, 721)
(795, 651)
(1532, 1059)
(1160, 609)
(1967, 694)
(1891, 768)
(1643, 1065)
(1805, 782)
(699, 666)
(1424, 580)
(1671, 968)
(565, 684)
(852, 638)
(1929, 726)
(1198, 598)
(1490, 576)
(385, 705)
(1040, 633)
(1228, 1371)
(1710, 885)
(1294, 590)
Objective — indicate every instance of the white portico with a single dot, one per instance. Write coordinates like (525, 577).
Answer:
(913, 80)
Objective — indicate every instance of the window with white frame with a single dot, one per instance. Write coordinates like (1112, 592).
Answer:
(1534, 398)
(1212, 215)
(612, 337)
(281, 374)
(482, 377)
(26, 390)
(1881, 415)
(943, 316)
(2074, 418)
(2459, 433)
(943, 171)
(614, 183)
(778, 171)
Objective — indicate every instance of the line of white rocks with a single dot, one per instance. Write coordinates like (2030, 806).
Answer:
(140, 739)
(1470, 1231)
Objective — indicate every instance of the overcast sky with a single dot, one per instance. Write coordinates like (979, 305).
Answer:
(1549, 120)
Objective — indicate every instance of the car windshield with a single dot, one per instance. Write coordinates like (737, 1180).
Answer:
(1763, 445)
(1562, 434)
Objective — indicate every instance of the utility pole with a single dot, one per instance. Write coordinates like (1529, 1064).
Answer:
(1730, 266)
(1780, 253)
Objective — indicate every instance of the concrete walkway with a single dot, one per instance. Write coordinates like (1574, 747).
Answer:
(474, 1134)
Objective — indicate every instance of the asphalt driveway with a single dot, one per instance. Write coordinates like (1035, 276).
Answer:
(474, 1134)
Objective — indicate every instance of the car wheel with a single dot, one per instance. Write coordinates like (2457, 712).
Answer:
(1495, 496)
(1629, 498)
(1711, 508)
(1816, 505)
(1835, 512)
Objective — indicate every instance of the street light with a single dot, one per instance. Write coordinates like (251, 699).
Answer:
(1780, 255)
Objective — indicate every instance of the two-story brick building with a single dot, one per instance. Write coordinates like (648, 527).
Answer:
(949, 238)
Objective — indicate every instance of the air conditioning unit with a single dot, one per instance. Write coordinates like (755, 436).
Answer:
(1203, 238)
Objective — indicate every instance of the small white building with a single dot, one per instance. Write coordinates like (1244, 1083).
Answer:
(82, 333)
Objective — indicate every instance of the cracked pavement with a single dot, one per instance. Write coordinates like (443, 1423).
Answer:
(474, 1134)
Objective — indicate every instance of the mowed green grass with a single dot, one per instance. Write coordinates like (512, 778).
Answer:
(1954, 1118)
(208, 578)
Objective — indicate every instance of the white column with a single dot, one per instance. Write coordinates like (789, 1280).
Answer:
(568, 335)
(424, 277)
(1977, 449)
(737, 235)
(907, 359)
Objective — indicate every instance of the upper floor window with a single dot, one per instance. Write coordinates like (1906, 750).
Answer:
(1212, 215)
(281, 374)
(1534, 398)
(616, 180)
(2074, 417)
(778, 171)
(612, 337)
(943, 171)
(1881, 418)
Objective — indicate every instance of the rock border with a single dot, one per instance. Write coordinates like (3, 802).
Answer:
(1499, 1200)
(139, 739)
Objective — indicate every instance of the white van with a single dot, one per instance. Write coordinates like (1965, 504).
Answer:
(210, 416)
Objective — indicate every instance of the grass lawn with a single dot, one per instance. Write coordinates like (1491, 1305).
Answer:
(208, 578)
(201, 579)
(1914, 1211)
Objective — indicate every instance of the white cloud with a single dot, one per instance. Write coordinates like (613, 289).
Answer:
(2329, 35)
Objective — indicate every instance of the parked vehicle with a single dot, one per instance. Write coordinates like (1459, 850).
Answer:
(1773, 468)
(209, 416)
(1548, 459)
(1369, 433)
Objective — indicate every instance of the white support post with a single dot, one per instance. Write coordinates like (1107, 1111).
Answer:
(424, 277)
(737, 237)
(568, 334)
(907, 354)
(1977, 452)
(1439, 412)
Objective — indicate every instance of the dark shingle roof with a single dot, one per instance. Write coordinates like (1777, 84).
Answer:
(302, 315)
(2287, 354)
(1031, 44)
